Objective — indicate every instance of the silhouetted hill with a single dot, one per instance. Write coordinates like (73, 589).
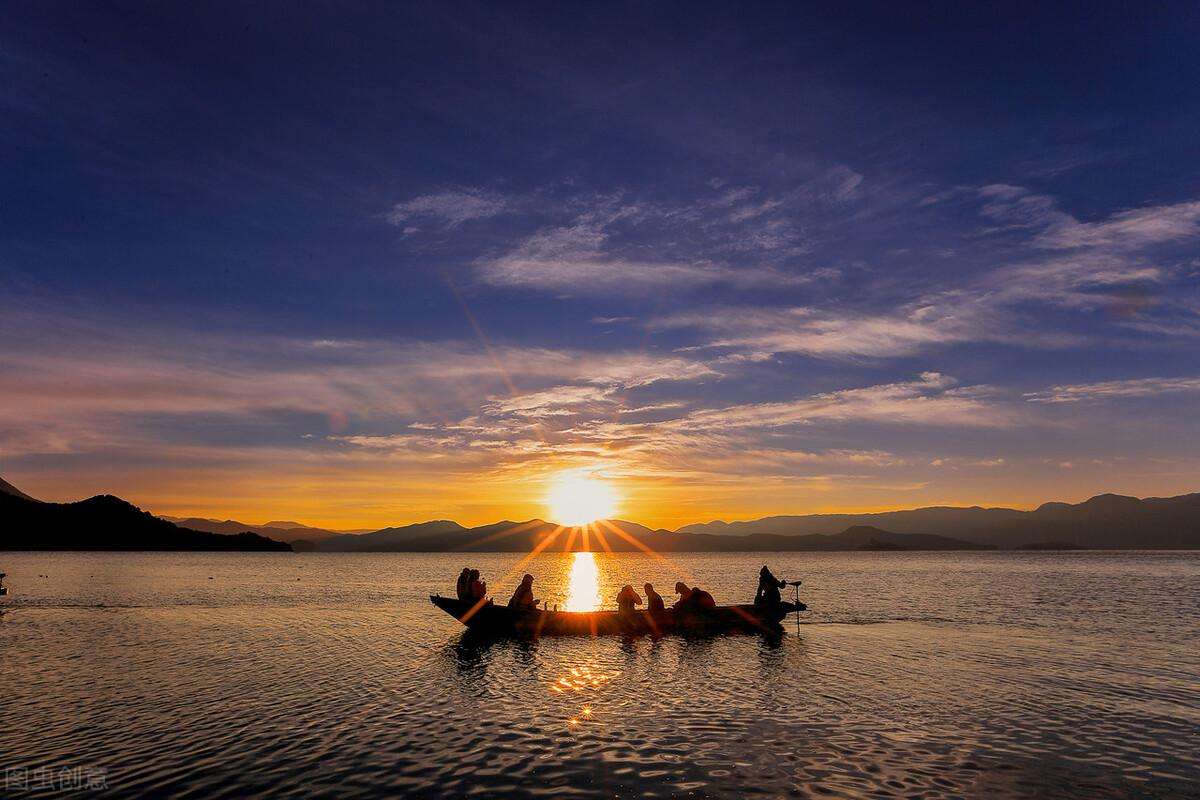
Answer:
(9, 489)
(386, 540)
(1111, 521)
(1105, 521)
(866, 537)
(231, 526)
(106, 523)
(853, 538)
(942, 520)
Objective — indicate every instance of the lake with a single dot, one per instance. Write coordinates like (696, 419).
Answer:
(914, 675)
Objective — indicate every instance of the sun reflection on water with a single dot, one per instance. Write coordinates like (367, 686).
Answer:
(583, 585)
(583, 678)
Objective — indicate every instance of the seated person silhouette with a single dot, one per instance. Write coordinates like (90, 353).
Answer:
(523, 599)
(627, 599)
(701, 600)
(477, 588)
(462, 587)
(654, 601)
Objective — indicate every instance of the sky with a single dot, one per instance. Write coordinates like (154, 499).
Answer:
(363, 264)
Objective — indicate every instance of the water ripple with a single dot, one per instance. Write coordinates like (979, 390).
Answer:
(1017, 676)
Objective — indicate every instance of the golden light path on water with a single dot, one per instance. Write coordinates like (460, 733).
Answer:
(583, 594)
(583, 585)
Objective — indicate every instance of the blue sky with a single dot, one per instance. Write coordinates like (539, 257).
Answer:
(393, 262)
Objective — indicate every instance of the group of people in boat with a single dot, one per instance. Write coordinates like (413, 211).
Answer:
(471, 588)
(691, 598)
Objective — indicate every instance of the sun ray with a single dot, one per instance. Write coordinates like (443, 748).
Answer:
(501, 534)
(574, 532)
(640, 545)
(542, 545)
(519, 566)
(602, 539)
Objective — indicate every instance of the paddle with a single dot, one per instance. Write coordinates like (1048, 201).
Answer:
(796, 586)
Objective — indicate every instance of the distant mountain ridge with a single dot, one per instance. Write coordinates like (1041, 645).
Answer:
(271, 531)
(616, 536)
(1104, 521)
(388, 538)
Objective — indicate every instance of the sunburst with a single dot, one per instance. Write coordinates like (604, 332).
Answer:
(579, 498)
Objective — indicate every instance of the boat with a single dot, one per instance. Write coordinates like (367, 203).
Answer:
(502, 620)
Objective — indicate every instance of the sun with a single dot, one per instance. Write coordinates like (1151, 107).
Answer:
(577, 498)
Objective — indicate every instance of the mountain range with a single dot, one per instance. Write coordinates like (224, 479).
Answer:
(1106, 521)
(279, 531)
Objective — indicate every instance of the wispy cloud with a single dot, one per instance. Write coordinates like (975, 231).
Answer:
(583, 258)
(740, 237)
(593, 273)
(1016, 207)
(932, 399)
(821, 333)
(1108, 390)
(1102, 266)
(448, 209)
(574, 423)
(100, 390)
(1127, 230)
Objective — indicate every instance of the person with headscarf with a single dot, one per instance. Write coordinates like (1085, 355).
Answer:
(685, 596)
(654, 601)
(462, 587)
(478, 589)
(627, 599)
(523, 599)
(701, 600)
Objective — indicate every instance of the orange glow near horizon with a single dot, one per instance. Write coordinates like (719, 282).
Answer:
(332, 497)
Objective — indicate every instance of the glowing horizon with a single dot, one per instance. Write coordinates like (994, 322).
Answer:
(338, 504)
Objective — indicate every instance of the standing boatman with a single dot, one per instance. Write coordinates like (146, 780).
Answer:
(768, 589)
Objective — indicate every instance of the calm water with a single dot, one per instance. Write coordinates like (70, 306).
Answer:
(916, 675)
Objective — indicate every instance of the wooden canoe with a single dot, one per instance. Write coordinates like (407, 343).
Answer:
(501, 620)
